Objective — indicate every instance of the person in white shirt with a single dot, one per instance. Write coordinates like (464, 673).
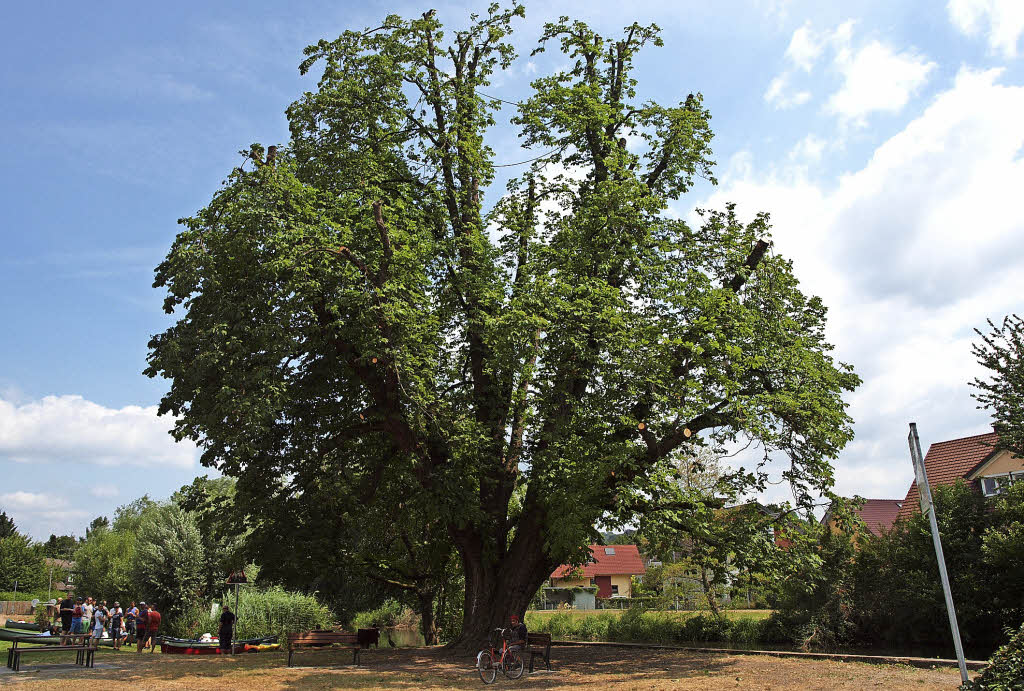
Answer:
(87, 610)
(98, 620)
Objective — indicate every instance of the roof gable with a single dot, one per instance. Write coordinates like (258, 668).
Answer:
(997, 463)
(948, 461)
(625, 560)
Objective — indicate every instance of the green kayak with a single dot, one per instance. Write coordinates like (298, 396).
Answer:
(38, 638)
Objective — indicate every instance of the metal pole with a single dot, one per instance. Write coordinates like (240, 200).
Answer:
(236, 606)
(925, 491)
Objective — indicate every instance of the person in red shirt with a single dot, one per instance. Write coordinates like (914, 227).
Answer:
(152, 626)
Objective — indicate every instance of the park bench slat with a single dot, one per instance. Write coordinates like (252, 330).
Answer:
(318, 641)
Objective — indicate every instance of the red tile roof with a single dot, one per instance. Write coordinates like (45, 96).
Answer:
(948, 461)
(625, 561)
(879, 514)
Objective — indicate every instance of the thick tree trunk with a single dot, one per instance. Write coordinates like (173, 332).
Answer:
(709, 592)
(427, 622)
(498, 588)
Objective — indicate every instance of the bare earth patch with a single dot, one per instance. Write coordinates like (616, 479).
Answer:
(425, 668)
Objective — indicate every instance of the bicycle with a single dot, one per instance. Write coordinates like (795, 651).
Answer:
(509, 660)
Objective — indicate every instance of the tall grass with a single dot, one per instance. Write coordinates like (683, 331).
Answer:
(271, 611)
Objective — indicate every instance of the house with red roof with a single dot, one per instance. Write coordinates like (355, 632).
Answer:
(878, 515)
(610, 569)
(973, 459)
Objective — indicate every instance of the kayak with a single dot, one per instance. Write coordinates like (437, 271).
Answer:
(40, 639)
(22, 625)
(185, 646)
(16, 635)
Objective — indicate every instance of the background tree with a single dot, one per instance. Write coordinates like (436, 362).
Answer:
(21, 561)
(105, 565)
(98, 523)
(60, 546)
(169, 560)
(1002, 352)
(7, 527)
(700, 519)
(350, 304)
(222, 531)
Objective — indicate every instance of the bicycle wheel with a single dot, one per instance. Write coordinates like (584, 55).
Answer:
(512, 664)
(485, 666)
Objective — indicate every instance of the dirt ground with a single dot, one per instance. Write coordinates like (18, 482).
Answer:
(421, 668)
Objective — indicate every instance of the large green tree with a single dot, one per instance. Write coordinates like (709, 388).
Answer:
(350, 303)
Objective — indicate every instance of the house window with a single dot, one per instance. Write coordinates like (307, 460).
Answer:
(615, 590)
(593, 581)
(609, 551)
(995, 484)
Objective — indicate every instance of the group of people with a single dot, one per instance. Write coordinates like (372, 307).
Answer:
(137, 624)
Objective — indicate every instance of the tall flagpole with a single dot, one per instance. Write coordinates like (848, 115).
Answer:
(924, 491)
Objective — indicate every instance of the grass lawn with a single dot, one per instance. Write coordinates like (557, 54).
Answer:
(433, 668)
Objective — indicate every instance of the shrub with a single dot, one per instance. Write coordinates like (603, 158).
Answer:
(390, 614)
(747, 631)
(1005, 671)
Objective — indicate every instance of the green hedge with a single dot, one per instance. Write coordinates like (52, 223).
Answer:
(636, 626)
(29, 595)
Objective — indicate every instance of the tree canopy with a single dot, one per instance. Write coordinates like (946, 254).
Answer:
(351, 310)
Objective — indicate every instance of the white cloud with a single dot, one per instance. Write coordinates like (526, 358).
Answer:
(1004, 19)
(910, 252)
(26, 501)
(808, 150)
(805, 47)
(72, 429)
(780, 96)
(875, 78)
(38, 514)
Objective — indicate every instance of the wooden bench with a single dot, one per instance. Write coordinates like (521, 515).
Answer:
(324, 640)
(67, 642)
(83, 645)
(539, 644)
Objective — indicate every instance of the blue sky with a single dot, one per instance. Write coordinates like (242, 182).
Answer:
(884, 137)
